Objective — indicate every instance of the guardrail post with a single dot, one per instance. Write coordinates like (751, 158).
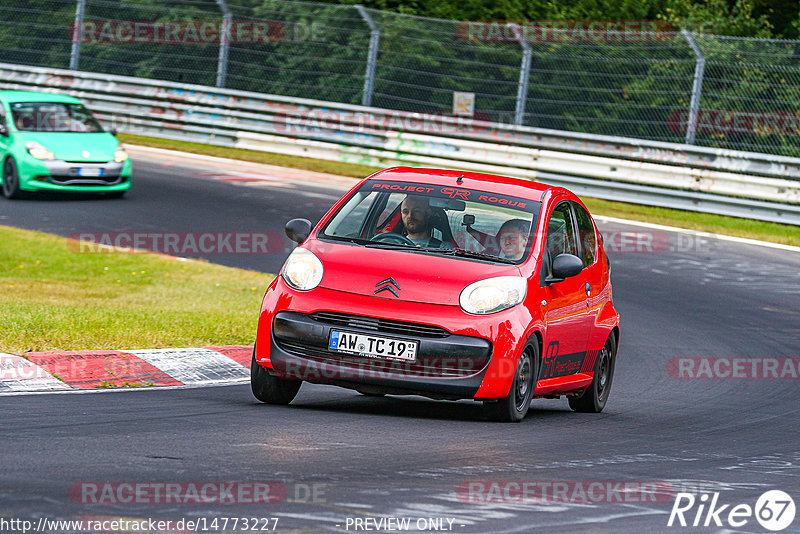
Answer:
(524, 74)
(697, 87)
(224, 43)
(372, 55)
(77, 35)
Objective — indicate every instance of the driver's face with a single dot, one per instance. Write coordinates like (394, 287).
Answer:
(415, 213)
(513, 242)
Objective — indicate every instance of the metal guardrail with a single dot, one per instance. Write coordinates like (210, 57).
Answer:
(740, 184)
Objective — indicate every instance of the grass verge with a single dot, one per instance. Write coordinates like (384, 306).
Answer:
(717, 224)
(52, 298)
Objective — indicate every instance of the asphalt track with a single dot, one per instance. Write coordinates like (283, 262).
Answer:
(407, 457)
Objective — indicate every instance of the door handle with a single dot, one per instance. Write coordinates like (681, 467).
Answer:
(588, 288)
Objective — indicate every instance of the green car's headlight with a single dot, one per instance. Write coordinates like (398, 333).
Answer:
(39, 151)
(120, 155)
(302, 270)
(493, 294)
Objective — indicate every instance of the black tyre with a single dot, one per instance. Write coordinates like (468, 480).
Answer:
(11, 179)
(515, 405)
(271, 389)
(595, 397)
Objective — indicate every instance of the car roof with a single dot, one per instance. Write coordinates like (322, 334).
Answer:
(490, 183)
(36, 96)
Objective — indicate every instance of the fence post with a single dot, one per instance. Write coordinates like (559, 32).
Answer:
(77, 35)
(524, 74)
(697, 87)
(224, 43)
(372, 55)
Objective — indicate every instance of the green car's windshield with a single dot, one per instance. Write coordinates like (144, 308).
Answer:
(53, 117)
(432, 219)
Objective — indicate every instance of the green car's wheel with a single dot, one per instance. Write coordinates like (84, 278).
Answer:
(11, 179)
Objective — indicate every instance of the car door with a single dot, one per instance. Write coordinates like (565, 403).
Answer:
(568, 319)
(5, 140)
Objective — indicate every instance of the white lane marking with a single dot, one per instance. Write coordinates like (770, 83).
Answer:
(721, 237)
(19, 374)
(193, 366)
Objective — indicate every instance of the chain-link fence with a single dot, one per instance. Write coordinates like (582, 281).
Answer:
(630, 78)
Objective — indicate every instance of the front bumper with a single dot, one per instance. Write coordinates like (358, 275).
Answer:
(470, 357)
(57, 175)
(446, 366)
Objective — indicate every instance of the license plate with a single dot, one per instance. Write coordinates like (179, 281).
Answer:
(86, 171)
(373, 346)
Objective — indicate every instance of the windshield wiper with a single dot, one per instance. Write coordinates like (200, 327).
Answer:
(466, 254)
(374, 244)
(356, 240)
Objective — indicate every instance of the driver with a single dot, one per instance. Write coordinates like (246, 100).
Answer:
(416, 213)
(512, 237)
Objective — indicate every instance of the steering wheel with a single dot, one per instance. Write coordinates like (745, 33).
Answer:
(395, 239)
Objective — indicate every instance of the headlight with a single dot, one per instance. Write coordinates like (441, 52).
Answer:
(302, 269)
(38, 151)
(120, 155)
(493, 294)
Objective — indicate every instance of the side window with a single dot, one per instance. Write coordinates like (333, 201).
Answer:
(586, 236)
(560, 234)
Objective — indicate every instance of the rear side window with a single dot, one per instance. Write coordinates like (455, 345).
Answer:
(586, 236)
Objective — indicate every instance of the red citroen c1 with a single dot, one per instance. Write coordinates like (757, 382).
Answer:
(445, 284)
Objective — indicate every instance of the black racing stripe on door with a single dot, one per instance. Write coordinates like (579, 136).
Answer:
(555, 365)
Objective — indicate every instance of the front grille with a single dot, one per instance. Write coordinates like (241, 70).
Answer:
(383, 326)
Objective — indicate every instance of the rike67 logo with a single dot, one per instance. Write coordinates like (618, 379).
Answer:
(774, 510)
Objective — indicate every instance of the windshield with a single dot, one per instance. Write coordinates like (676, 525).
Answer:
(53, 117)
(433, 219)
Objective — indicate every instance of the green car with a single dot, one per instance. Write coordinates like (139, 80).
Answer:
(51, 142)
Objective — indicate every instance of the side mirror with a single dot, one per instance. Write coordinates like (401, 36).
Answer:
(298, 230)
(113, 131)
(3, 130)
(564, 266)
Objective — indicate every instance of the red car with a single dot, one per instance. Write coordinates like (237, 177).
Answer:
(445, 284)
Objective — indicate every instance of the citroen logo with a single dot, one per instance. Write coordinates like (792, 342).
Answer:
(85, 154)
(386, 285)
